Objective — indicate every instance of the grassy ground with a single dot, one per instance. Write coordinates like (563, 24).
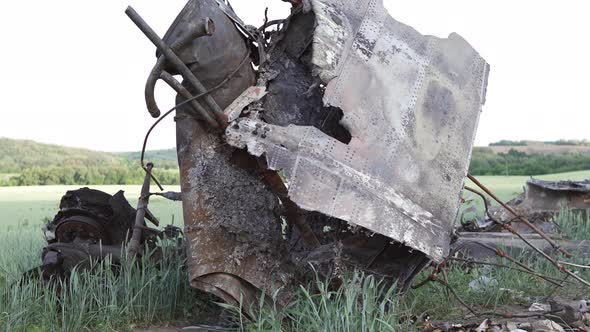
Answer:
(150, 296)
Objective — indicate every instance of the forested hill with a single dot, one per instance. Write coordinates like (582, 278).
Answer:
(24, 162)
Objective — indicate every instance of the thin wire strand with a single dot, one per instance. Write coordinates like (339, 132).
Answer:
(221, 84)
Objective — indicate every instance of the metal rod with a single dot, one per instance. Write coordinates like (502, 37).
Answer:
(521, 218)
(135, 243)
(574, 265)
(205, 28)
(292, 211)
(181, 90)
(554, 281)
(175, 61)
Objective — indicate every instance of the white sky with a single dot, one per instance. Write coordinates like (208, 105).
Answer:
(74, 71)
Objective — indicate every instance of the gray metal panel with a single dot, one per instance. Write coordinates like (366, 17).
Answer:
(411, 103)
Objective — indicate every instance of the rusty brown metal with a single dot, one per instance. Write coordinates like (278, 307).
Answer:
(178, 64)
(233, 234)
(370, 123)
(292, 212)
(205, 28)
(142, 204)
(182, 91)
(517, 216)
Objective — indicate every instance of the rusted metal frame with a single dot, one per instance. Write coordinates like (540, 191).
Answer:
(135, 243)
(502, 254)
(182, 68)
(145, 140)
(445, 282)
(509, 315)
(554, 281)
(181, 90)
(550, 295)
(206, 28)
(497, 251)
(521, 218)
(551, 260)
(527, 242)
(574, 265)
(433, 276)
(293, 212)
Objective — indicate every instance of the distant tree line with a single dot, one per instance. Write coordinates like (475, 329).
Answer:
(59, 175)
(27, 163)
(573, 142)
(485, 161)
(506, 142)
(568, 142)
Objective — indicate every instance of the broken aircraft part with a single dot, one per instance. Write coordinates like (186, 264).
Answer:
(370, 123)
(90, 226)
(541, 202)
(554, 196)
(411, 104)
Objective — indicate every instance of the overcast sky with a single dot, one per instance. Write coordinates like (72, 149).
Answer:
(74, 71)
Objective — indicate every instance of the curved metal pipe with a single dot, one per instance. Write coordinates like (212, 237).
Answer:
(205, 28)
(181, 90)
(182, 68)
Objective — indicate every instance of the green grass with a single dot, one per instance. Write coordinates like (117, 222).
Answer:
(367, 304)
(142, 294)
(145, 295)
(99, 300)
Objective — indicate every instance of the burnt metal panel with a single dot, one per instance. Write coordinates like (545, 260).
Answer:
(411, 103)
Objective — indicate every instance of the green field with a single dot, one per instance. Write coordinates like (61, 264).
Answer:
(31, 205)
(148, 294)
(508, 187)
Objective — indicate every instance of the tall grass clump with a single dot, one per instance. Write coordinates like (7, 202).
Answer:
(362, 303)
(574, 225)
(143, 293)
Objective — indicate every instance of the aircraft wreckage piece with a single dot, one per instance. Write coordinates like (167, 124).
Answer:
(90, 226)
(371, 123)
(411, 104)
(540, 203)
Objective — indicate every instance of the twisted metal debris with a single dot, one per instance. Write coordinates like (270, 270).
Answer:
(369, 123)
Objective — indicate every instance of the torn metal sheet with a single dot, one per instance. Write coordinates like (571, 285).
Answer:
(556, 195)
(326, 175)
(542, 200)
(410, 102)
(250, 95)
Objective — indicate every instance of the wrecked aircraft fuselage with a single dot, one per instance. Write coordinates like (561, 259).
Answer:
(346, 148)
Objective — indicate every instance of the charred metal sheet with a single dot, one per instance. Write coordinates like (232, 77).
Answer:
(564, 186)
(90, 226)
(542, 200)
(328, 176)
(411, 103)
(250, 95)
(233, 234)
(556, 195)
